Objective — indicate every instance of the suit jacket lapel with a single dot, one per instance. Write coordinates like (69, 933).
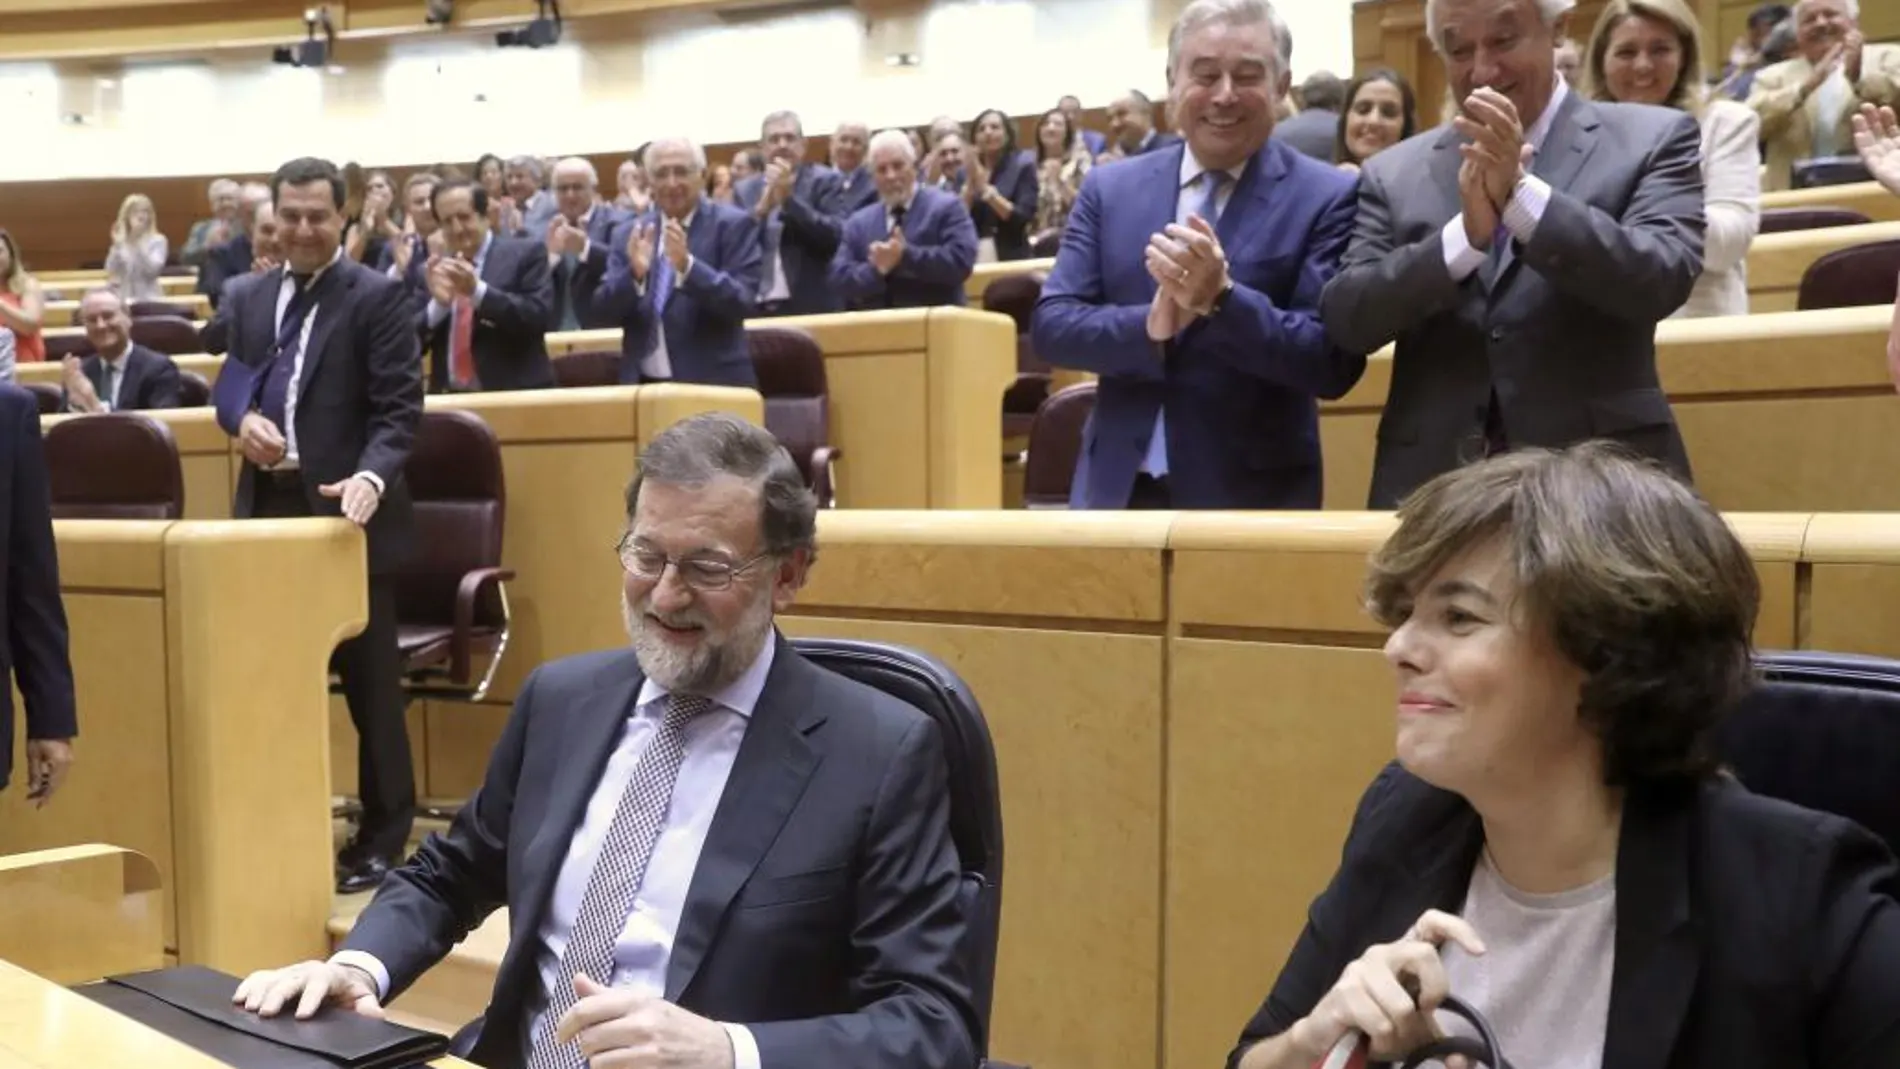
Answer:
(129, 379)
(1657, 957)
(590, 733)
(768, 777)
(1573, 134)
(332, 295)
(1257, 181)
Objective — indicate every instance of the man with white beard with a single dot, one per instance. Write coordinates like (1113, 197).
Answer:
(715, 855)
(913, 246)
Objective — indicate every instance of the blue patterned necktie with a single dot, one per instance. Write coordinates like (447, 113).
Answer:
(1209, 208)
(275, 398)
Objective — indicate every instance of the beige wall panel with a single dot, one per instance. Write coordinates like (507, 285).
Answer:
(1077, 726)
(120, 783)
(1269, 748)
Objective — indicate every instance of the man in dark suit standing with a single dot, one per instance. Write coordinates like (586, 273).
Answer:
(266, 256)
(912, 249)
(682, 278)
(1521, 258)
(714, 854)
(119, 376)
(857, 188)
(35, 652)
(1131, 128)
(1189, 280)
(1315, 129)
(234, 258)
(800, 210)
(323, 391)
(486, 322)
(578, 238)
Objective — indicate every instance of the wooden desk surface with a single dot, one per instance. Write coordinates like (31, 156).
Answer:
(45, 1026)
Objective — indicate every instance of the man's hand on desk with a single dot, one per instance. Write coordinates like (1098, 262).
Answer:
(309, 987)
(618, 1029)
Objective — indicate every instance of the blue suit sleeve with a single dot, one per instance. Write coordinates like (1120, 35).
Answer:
(853, 275)
(35, 615)
(730, 288)
(817, 224)
(1074, 325)
(1288, 346)
(951, 258)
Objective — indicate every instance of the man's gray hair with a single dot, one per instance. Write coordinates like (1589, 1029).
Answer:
(1548, 10)
(1853, 8)
(580, 164)
(891, 139)
(223, 185)
(699, 449)
(658, 143)
(1234, 13)
(106, 290)
(779, 117)
(530, 164)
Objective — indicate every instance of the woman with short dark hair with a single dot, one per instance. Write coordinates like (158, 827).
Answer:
(1555, 845)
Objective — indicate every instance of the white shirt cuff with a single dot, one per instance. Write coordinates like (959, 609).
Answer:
(586, 247)
(373, 479)
(1526, 207)
(369, 964)
(745, 1049)
(481, 288)
(1460, 258)
(437, 312)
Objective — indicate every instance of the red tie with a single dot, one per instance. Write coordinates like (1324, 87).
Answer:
(461, 343)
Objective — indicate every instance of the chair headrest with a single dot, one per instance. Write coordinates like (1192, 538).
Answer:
(456, 455)
(787, 362)
(114, 465)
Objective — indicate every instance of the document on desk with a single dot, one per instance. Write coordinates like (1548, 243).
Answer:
(192, 1004)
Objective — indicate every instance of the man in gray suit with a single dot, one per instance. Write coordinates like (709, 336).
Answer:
(1520, 257)
(1315, 129)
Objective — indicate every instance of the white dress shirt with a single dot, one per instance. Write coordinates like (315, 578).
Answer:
(1524, 210)
(646, 942)
(1833, 136)
(658, 364)
(285, 290)
(1188, 197)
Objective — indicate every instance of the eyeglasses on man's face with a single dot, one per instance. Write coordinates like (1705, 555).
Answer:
(701, 571)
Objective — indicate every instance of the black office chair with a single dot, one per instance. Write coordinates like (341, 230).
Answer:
(976, 807)
(1822, 730)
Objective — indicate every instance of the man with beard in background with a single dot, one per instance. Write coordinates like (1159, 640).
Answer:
(714, 854)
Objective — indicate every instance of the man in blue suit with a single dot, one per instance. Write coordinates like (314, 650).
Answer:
(1071, 107)
(31, 613)
(914, 247)
(578, 236)
(1189, 280)
(682, 278)
(800, 210)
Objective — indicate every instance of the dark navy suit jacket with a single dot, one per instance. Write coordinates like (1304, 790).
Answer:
(939, 251)
(585, 277)
(857, 190)
(1016, 179)
(509, 343)
(812, 219)
(822, 914)
(31, 612)
(1239, 387)
(704, 319)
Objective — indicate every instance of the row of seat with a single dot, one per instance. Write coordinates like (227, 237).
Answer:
(451, 607)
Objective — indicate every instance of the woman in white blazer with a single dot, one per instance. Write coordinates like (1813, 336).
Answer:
(1650, 52)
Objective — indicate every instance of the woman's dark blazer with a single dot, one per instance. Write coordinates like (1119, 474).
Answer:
(1750, 933)
(1015, 179)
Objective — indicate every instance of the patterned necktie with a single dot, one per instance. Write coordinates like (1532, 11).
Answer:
(617, 875)
(1209, 208)
(274, 401)
(462, 343)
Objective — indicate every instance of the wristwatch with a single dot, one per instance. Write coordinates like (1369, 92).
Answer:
(1220, 299)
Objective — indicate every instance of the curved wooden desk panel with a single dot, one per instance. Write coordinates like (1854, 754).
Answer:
(1777, 410)
(1776, 262)
(915, 401)
(79, 913)
(1868, 198)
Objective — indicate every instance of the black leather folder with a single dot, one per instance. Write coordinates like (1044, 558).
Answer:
(192, 1004)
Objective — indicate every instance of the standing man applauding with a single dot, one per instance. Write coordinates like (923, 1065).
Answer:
(800, 210)
(323, 391)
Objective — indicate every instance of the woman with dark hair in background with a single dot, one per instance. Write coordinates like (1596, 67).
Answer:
(1556, 845)
(1380, 112)
(1000, 188)
(374, 220)
(491, 172)
(1062, 159)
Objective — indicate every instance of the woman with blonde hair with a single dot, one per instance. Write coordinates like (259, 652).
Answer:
(1650, 52)
(138, 251)
(22, 303)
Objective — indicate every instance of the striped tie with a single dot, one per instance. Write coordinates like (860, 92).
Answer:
(617, 875)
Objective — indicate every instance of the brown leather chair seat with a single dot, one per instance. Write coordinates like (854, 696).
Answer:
(791, 371)
(1782, 220)
(114, 466)
(597, 367)
(48, 396)
(1853, 277)
(1055, 444)
(1015, 296)
(167, 334)
(148, 309)
(193, 390)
